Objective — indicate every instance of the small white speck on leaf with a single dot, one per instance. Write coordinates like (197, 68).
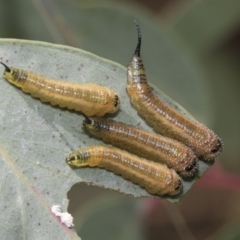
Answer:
(56, 209)
(66, 218)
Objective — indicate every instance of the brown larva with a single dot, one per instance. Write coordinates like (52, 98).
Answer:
(154, 177)
(89, 98)
(148, 145)
(165, 119)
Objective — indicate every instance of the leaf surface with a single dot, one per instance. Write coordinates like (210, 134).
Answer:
(37, 137)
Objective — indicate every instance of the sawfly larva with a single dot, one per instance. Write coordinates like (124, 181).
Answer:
(148, 145)
(165, 119)
(154, 177)
(89, 98)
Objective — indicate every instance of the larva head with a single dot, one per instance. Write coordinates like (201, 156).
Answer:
(213, 149)
(191, 169)
(78, 158)
(178, 187)
(9, 73)
(116, 104)
(217, 149)
(173, 184)
(208, 146)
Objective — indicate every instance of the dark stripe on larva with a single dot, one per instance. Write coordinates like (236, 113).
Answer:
(148, 145)
(154, 177)
(89, 98)
(165, 119)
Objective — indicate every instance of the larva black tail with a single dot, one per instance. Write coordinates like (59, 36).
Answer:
(7, 69)
(138, 48)
(87, 119)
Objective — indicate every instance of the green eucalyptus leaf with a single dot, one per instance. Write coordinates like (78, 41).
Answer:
(36, 137)
(39, 137)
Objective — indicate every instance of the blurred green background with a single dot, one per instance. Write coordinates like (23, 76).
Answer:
(191, 51)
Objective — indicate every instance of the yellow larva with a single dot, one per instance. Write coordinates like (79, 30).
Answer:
(89, 98)
(154, 177)
(148, 145)
(165, 119)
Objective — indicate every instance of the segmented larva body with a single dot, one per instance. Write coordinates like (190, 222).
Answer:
(89, 98)
(154, 177)
(165, 119)
(148, 145)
